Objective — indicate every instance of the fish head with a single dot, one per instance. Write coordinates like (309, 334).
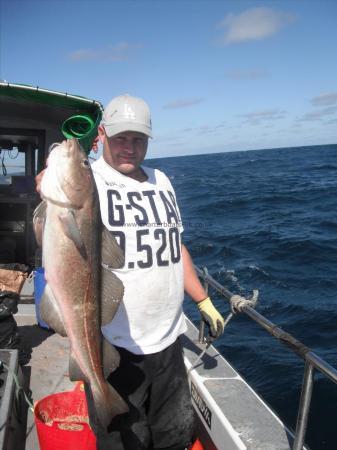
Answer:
(68, 179)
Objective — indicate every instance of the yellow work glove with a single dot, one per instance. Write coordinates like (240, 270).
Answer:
(212, 317)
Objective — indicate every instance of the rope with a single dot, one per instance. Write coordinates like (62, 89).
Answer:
(208, 341)
(237, 302)
(11, 155)
(4, 170)
(200, 356)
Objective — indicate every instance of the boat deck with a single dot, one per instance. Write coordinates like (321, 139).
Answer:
(227, 408)
(47, 368)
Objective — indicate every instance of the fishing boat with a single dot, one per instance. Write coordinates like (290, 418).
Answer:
(31, 120)
(230, 414)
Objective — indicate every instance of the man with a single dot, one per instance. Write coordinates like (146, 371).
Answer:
(138, 205)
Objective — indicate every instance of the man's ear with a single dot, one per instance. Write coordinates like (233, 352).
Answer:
(101, 133)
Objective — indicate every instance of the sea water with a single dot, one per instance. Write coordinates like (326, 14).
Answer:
(267, 220)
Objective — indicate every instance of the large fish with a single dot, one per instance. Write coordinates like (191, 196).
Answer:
(82, 292)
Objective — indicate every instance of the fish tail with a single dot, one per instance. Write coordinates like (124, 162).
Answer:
(108, 404)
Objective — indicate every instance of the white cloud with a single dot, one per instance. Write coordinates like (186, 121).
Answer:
(255, 117)
(199, 130)
(253, 74)
(119, 52)
(205, 128)
(326, 99)
(253, 24)
(318, 114)
(182, 103)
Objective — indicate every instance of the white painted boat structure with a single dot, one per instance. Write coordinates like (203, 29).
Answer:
(313, 363)
(231, 414)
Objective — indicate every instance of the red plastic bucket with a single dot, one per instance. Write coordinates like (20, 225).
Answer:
(197, 445)
(62, 421)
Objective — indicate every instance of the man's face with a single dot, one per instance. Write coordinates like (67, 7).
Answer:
(125, 151)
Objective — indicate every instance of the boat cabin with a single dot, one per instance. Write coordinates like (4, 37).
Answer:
(31, 120)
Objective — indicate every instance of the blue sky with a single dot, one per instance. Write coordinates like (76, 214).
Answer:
(218, 75)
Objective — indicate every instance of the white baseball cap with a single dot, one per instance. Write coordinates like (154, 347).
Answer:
(127, 113)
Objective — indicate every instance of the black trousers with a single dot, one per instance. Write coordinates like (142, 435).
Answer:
(156, 389)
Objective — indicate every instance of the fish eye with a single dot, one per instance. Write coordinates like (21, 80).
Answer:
(85, 163)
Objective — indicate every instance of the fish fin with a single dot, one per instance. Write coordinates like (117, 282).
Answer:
(108, 403)
(39, 218)
(111, 358)
(112, 254)
(50, 312)
(75, 372)
(72, 231)
(112, 291)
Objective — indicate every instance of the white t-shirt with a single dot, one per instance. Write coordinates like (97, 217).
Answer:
(145, 220)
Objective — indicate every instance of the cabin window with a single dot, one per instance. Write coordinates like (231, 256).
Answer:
(22, 156)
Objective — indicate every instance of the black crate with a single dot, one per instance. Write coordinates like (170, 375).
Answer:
(13, 409)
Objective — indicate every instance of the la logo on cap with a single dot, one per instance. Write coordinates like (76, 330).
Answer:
(129, 113)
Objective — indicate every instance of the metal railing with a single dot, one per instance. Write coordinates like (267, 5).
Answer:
(312, 361)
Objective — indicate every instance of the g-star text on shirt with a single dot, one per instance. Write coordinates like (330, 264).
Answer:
(142, 202)
(154, 215)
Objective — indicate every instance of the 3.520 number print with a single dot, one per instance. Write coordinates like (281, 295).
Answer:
(168, 239)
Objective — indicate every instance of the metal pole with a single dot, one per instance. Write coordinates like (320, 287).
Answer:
(303, 412)
(285, 338)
